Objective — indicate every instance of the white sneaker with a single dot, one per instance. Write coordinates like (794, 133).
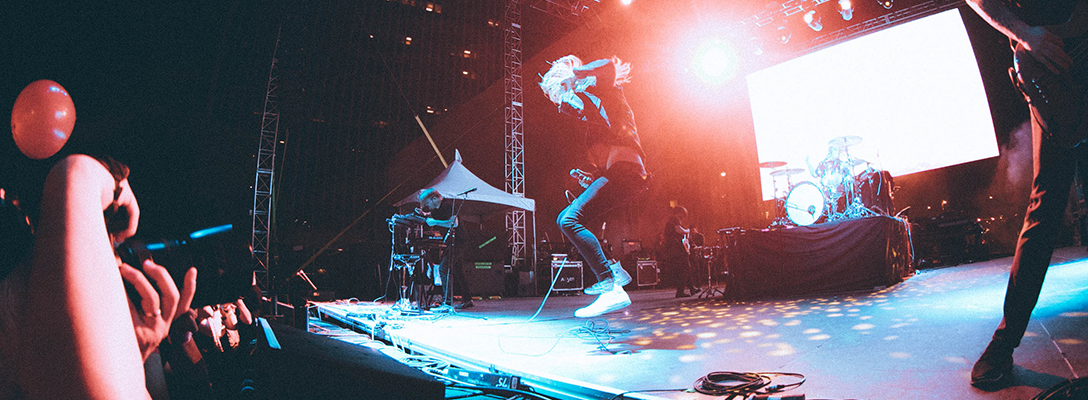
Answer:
(619, 277)
(619, 274)
(607, 302)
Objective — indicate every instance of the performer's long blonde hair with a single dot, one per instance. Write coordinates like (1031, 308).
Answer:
(563, 69)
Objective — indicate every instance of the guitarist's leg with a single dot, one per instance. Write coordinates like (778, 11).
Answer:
(603, 195)
(1054, 168)
(571, 221)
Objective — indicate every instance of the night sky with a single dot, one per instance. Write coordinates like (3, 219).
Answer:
(167, 89)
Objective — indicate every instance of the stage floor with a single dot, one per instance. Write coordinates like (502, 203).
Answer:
(914, 340)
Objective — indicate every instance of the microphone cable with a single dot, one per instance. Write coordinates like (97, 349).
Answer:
(743, 384)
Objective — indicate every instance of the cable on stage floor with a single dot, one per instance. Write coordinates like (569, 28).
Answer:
(596, 329)
(506, 393)
(741, 385)
(548, 293)
(424, 362)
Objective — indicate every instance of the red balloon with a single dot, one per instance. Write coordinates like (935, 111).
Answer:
(42, 119)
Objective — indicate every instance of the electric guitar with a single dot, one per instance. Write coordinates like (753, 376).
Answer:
(1059, 99)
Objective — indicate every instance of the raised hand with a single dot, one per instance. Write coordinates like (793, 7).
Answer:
(157, 307)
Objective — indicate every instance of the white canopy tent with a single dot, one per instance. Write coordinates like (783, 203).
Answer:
(480, 198)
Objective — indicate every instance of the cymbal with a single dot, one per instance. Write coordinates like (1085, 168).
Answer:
(789, 171)
(844, 141)
(772, 164)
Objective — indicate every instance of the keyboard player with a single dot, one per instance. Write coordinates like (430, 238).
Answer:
(440, 225)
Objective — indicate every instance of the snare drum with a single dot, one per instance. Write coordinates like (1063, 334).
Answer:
(805, 204)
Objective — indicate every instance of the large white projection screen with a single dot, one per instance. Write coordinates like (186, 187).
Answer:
(912, 93)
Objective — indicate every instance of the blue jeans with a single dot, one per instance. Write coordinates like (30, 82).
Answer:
(617, 186)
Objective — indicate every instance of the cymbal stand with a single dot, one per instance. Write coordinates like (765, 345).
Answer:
(854, 206)
(727, 238)
(710, 290)
(780, 217)
(855, 209)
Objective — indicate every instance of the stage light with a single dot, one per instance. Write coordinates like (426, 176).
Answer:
(784, 34)
(846, 8)
(626, 2)
(757, 45)
(813, 20)
(887, 4)
(714, 62)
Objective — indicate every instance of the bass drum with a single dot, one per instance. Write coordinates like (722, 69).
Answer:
(875, 190)
(805, 204)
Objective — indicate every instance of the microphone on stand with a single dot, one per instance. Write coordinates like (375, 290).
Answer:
(466, 192)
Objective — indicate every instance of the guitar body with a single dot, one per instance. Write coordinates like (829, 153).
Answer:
(1059, 98)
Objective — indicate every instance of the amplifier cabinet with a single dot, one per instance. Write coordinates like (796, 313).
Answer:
(570, 276)
(484, 278)
(646, 273)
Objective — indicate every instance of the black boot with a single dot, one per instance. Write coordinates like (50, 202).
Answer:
(993, 368)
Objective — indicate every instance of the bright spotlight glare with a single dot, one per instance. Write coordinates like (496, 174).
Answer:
(626, 2)
(714, 62)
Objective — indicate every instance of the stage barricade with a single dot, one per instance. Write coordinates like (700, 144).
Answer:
(841, 256)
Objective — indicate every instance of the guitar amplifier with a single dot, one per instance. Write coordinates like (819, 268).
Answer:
(646, 273)
(484, 278)
(570, 276)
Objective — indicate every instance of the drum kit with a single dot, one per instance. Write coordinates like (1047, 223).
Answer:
(845, 188)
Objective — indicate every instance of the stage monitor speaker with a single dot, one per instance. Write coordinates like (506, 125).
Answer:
(290, 363)
(484, 277)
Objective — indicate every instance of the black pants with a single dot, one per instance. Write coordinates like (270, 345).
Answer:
(1054, 168)
(453, 277)
(676, 264)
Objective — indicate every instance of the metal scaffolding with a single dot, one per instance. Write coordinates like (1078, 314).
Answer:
(515, 145)
(263, 182)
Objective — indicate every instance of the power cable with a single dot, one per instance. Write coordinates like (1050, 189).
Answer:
(734, 385)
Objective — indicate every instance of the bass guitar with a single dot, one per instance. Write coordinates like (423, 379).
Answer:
(1059, 98)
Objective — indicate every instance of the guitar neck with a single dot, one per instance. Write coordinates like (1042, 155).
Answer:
(1076, 26)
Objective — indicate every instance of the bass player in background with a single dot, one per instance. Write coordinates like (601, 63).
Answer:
(1043, 68)
(676, 252)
